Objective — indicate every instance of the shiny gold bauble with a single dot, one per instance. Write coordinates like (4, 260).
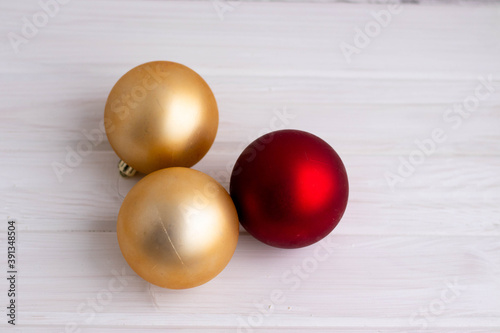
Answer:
(161, 114)
(177, 228)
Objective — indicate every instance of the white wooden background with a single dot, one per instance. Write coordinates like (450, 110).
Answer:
(395, 255)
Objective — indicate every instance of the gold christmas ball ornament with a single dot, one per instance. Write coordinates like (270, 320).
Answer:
(177, 228)
(160, 114)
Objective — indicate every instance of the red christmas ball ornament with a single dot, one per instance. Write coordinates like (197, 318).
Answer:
(290, 188)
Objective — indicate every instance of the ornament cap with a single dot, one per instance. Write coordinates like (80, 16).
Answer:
(125, 169)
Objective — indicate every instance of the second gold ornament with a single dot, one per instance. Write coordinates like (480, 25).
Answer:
(177, 228)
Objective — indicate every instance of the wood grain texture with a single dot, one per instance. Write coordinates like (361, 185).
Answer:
(420, 256)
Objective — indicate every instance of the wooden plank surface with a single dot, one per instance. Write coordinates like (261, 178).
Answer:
(420, 254)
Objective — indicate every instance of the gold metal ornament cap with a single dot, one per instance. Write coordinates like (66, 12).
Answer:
(161, 114)
(177, 228)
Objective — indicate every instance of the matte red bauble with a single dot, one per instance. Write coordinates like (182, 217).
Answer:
(290, 188)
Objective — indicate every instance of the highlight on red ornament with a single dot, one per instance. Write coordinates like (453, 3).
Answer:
(290, 188)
